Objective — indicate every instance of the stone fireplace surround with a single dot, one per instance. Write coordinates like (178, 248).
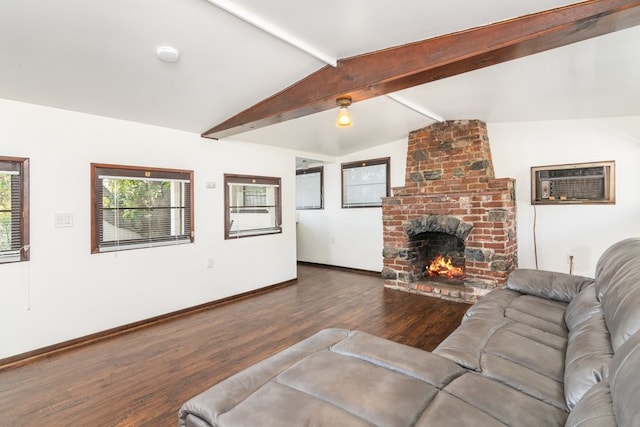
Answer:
(450, 190)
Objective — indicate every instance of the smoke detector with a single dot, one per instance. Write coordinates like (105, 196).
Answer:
(167, 53)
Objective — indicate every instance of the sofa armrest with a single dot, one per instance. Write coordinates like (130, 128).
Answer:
(547, 284)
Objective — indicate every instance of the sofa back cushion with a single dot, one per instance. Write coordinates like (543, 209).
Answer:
(607, 266)
(587, 359)
(625, 387)
(549, 285)
(595, 409)
(614, 400)
(618, 289)
(589, 347)
(582, 307)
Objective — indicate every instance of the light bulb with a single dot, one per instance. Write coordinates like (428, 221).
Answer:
(344, 119)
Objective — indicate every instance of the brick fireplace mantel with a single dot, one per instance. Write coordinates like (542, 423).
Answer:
(450, 189)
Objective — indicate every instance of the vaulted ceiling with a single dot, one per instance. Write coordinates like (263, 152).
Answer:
(99, 58)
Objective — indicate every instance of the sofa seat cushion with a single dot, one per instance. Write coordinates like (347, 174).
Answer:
(494, 307)
(271, 404)
(546, 310)
(523, 379)
(358, 387)
(505, 403)
(465, 345)
(525, 364)
(559, 342)
(409, 361)
(439, 414)
(537, 357)
(545, 315)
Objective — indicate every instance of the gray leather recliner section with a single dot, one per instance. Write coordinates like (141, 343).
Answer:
(548, 349)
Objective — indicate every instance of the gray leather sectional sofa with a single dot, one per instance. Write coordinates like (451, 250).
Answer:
(549, 349)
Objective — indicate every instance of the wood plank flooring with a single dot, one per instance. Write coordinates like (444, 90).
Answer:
(142, 378)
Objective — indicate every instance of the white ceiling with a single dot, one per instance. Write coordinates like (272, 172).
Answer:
(98, 57)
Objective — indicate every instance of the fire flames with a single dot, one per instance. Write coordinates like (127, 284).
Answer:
(442, 266)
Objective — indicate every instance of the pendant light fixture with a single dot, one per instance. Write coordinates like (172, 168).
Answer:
(344, 119)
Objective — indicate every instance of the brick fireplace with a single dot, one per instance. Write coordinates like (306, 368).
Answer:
(451, 205)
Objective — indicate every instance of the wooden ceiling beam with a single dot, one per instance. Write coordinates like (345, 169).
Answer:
(390, 70)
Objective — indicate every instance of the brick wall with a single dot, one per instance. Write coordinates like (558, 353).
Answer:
(450, 188)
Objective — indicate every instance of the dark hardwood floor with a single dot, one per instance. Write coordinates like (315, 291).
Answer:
(141, 378)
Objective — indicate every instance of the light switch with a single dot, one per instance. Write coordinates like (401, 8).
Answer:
(63, 220)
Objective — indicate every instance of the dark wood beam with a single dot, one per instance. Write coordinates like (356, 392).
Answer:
(390, 70)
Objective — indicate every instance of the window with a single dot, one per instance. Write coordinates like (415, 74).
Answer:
(365, 183)
(135, 207)
(309, 188)
(14, 209)
(252, 206)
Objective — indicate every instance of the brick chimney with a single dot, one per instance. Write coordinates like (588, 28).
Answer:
(450, 194)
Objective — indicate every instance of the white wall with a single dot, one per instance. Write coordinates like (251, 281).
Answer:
(584, 230)
(65, 292)
(348, 237)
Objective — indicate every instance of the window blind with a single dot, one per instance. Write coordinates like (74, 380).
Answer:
(252, 206)
(141, 208)
(309, 189)
(364, 185)
(13, 236)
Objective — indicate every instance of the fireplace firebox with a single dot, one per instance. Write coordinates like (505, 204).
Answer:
(443, 256)
(451, 211)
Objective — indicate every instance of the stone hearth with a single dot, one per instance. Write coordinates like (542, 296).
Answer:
(450, 191)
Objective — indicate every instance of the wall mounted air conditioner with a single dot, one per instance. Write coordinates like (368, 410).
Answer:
(576, 183)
